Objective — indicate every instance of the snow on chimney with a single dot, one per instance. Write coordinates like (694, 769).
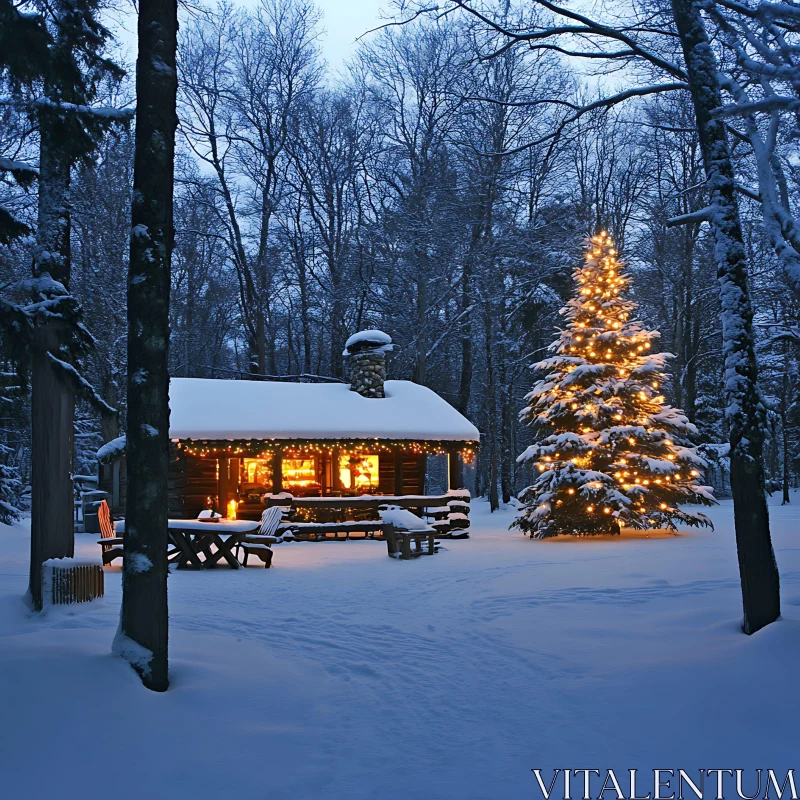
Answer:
(365, 355)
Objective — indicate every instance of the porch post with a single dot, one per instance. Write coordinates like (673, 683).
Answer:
(454, 470)
(398, 472)
(277, 471)
(115, 484)
(233, 478)
(336, 484)
(222, 490)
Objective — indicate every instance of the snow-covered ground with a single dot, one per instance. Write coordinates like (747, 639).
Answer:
(345, 674)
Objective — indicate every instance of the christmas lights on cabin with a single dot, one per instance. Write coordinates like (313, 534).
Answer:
(611, 453)
(266, 448)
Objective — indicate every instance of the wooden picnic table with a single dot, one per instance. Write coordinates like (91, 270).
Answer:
(193, 538)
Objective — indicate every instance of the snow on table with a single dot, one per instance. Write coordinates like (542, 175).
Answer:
(507, 655)
(222, 527)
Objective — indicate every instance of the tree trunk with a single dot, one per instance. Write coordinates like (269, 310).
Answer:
(52, 400)
(260, 361)
(142, 638)
(338, 331)
(421, 358)
(491, 407)
(465, 381)
(506, 425)
(785, 433)
(757, 568)
(52, 412)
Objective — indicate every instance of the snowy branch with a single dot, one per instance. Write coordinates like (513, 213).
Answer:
(20, 169)
(768, 104)
(701, 215)
(82, 387)
(101, 112)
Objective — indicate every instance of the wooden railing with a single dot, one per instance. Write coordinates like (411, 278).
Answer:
(447, 513)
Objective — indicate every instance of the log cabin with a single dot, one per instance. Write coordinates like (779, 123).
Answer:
(239, 445)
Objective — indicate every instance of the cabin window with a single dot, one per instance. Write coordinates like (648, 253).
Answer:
(299, 474)
(358, 471)
(257, 472)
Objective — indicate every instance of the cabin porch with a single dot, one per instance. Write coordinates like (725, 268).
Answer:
(332, 484)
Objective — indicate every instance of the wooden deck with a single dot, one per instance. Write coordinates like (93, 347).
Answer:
(357, 517)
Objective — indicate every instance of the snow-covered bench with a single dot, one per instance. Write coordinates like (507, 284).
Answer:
(401, 527)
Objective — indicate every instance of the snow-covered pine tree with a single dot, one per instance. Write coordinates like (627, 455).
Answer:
(609, 452)
(59, 89)
(10, 487)
(10, 481)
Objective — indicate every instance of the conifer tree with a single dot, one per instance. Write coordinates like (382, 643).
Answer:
(10, 480)
(54, 66)
(609, 452)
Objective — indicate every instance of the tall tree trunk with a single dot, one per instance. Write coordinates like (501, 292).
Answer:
(505, 436)
(678, 310)
(757, 568)
(142, 638)
(260, 361)
(52, 416)
(421, 358)
(338, 330)
(785, 433)
(52, 400)
(304, 310)
(465, 381)
(491, 405)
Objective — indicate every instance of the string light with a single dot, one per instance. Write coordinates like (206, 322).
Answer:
(265, 448)
(600, 331)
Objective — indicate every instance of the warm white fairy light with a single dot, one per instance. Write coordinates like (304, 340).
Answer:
(603, 331)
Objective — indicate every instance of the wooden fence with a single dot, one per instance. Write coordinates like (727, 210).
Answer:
(70, 582)
(447, 513)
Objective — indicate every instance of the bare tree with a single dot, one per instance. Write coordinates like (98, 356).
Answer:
(333, 139)
(243, 77)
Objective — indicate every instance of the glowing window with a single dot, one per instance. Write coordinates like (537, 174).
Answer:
(299, 473)
(358, 471)
(257, 471)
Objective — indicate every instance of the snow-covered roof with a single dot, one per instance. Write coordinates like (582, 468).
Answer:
(202, 408)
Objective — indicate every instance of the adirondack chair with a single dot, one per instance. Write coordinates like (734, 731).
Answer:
(111, 543)
(258, 544)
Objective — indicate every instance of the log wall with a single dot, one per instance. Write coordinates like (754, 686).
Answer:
(192, 480)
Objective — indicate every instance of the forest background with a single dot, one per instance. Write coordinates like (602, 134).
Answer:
(423, 189)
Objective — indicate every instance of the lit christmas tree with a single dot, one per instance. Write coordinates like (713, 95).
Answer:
(610, 453)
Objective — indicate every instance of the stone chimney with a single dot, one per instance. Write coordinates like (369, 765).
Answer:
(365, 358)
